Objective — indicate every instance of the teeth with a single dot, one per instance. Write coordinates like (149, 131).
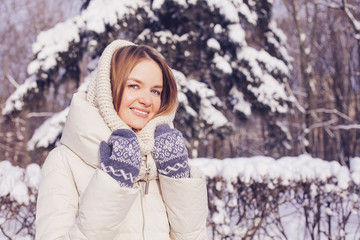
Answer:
(136, 110)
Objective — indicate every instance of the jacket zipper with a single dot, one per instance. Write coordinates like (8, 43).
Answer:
(143, 214)
(147, 183)
(147, 180)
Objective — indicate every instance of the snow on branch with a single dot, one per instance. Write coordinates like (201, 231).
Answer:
(331, 111)
(208, 101)
(344, 5)
(222, 64)
(346, 127)
(94, 18)
(232, 9)
(15, 181)
(167, 37)
(15, 101)
(49, 131)
(52, 42)
(49, 45)
(286, 170)
(278, 38)
(239, 103)
(355, 23)
(268, 90)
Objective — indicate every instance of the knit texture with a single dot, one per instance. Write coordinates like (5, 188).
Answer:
(99, 95)
(121, 157)
(170, 153)
(99, 90)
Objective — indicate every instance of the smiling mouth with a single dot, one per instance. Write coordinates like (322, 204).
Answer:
(140, 112)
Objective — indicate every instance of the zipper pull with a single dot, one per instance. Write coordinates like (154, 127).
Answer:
(147, 181)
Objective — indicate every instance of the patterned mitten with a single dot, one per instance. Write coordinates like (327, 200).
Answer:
(121, 157)
(170, 153)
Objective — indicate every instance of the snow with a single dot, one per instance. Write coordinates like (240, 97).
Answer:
(267, 89)
(166, 37)
(355, 166)
(226, 8)
(49, 131)
(231, 10)
(20, 193)
(357, 25)
(98, 14)
(222, 64)
(245, 11)
(14, 181)
(239, 103)
(272, 64)
(157, 4)
(8, 177)
(48, 45)
(281, 44)
(304, 168)
(16, 102)
(269, 92)
(212, 43)
(218, 29)
(237, 34)
(32, 175)
(287, 171)
(302, 37)
(208, 100)
(212, 116)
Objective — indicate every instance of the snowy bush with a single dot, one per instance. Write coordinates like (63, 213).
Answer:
(290, 198)
(249, 198)
(18, 189)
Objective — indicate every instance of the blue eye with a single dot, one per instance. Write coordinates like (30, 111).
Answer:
(156, 92)
(133, 86)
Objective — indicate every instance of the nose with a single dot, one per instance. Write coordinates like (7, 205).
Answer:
(145, 99)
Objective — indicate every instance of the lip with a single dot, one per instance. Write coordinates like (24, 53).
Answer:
(140, 112)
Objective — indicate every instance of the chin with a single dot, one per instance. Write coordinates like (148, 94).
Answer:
(137, 124)
(137, 127)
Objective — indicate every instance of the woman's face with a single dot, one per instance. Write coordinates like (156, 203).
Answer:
(141, 98)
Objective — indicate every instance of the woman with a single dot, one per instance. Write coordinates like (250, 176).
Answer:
(122, 172)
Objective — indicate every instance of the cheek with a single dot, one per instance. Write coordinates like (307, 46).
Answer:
(125, 101)
(156, 105)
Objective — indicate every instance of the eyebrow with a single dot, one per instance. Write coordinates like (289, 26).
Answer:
(141, 82)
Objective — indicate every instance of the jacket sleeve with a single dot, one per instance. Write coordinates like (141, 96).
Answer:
(186, 205)
(61, 214)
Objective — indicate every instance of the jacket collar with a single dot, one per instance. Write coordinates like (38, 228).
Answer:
(84, 130)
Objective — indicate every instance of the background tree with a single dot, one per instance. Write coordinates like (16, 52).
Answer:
(21, 21)
(323, 41)
(229, 58)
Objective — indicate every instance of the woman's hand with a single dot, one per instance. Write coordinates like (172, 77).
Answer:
(170, 153)
(121, 157)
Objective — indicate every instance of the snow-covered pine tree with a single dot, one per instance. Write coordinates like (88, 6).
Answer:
(229, 58)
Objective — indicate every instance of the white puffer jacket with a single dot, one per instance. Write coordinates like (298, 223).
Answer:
(77, 200)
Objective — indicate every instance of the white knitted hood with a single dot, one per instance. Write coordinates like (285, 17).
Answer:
(99, 95)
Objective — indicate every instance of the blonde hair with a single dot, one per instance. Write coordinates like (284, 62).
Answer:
(124, 60)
